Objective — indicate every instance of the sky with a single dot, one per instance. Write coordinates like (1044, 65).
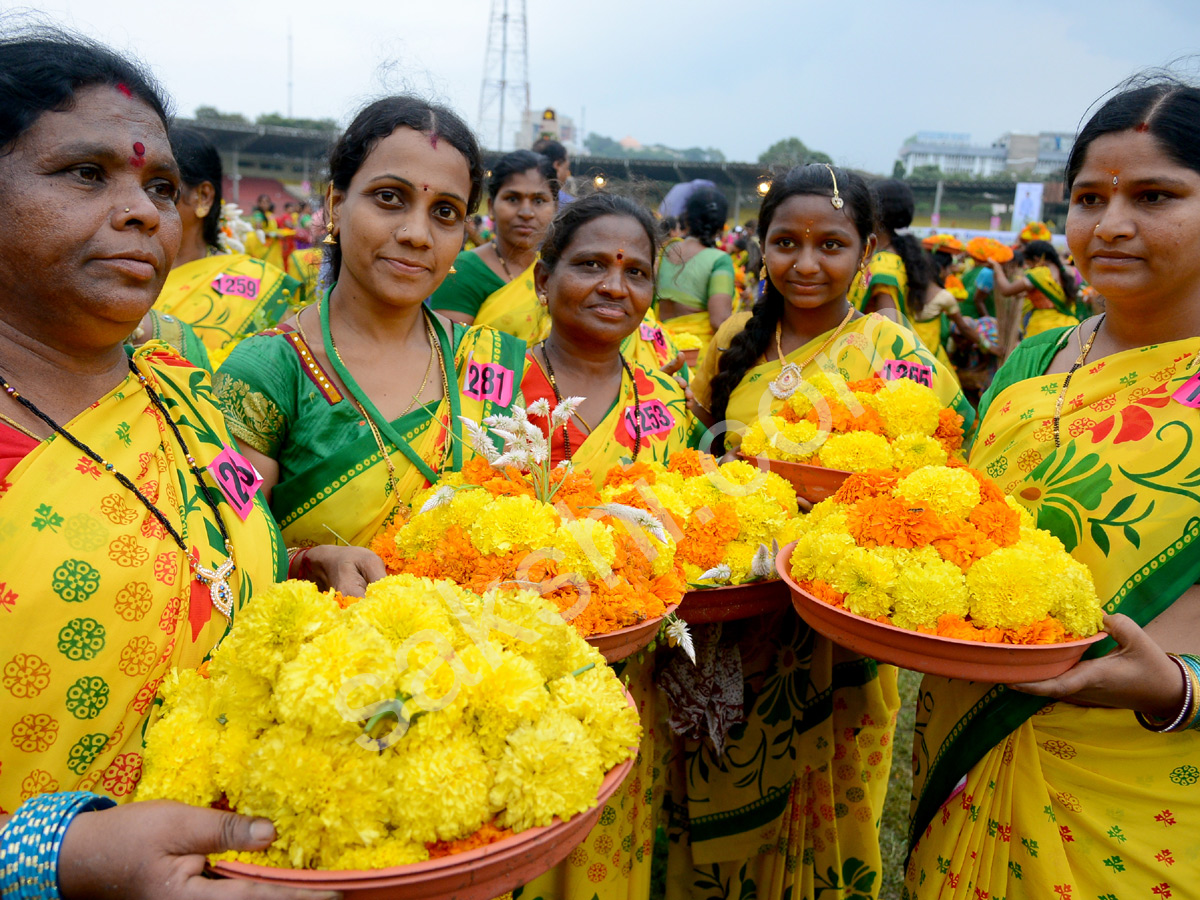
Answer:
(853, 79)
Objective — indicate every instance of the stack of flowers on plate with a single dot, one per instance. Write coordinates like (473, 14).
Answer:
(942, 551)
(728, 519)
(509, 519)
(859, 426)
(423, 719)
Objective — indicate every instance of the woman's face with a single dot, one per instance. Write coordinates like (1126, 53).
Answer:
(400, 221)
(812, 251)
(1137, 240)
(523, 209)
(90, 226)
(603, 283)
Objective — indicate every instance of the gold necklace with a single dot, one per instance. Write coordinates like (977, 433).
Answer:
(21, 428)
(789, 377)
(1079, 361)
(435, 349)
(499, 256)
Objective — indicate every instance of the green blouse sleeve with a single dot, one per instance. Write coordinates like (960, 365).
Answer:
(721, 280)
(257, 388)
(465, 290)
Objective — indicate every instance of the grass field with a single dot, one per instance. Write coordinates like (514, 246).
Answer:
(894, 829)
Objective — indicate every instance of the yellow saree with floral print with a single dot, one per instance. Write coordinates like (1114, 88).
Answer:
(228, 296)
(515, 309)
(334, 484)
(1019, 798)
(98, 601)
(1046, 307)
(791, 809)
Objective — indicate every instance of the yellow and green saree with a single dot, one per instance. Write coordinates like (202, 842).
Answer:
(1046, 306)
(333, 483)
(99, 602)
(476, 291)
(1019, 797)
(791, 809)
(885, 274)
(614, 861)
(707, 274)
(651, 345)
(305, 266)
(227, 297)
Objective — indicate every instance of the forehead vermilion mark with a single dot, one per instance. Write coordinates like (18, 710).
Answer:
(124, 89)
(433, 139)
(139, 155)
(1143, 127)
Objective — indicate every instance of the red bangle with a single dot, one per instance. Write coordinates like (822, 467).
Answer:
(298, 564)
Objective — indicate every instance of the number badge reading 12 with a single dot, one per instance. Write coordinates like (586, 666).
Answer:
(894, 369)
(489, 381)
(237, 478)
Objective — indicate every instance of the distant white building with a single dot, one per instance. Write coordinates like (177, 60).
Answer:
(1043, 154)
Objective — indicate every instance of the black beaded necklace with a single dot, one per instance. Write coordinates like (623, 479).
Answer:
(637, 404)
(216, 579)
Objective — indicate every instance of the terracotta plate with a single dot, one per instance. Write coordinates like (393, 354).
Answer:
(929, 653)
(735, 601)
(617, 645)
(812, 483)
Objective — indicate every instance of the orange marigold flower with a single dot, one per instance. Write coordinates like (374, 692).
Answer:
(630, 474)
(989, 491)
(891, 522)
(962, 543)
(477, 470)
(861, 485)
(824, 591)
(705, 541)
(488, 833)
(997, 521)
(1044, 631)
(949, 430)
(686, 462)
(872, 385)
(951, 626)
(841, 420)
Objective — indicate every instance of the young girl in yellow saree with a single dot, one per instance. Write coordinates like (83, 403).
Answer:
(791, 808)
(1051, 296)
(597, 275)
(354, 405)
(1091, 430)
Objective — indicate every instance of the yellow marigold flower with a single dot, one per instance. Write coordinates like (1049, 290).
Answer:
(550, 767)
(925, 591)
(440, 788)
(755, 441)
(800, 403)
(867, 578)
(507, 695)
(738, 556)
(760, 517)
(398, 607)
(598, 702)
(947, 491)
(796, 441)
(914, 451)
(382, 855)
(817, 554)
(1076, 605)
(1009, 588)
(310, 687)
(181, 745)
(907, 408)
(856, 451)
(513, 523)
(792, 529)
(1027, 521)
(587, 546)
(273, 626)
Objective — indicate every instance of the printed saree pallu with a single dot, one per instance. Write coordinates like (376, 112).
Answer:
(1018, 797)
(99, 603)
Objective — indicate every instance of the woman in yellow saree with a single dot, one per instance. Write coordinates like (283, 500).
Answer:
(896, 271)
(354, 404)
(597, 273)
(216, 290)
(120, 558)
(791, 807)
(1091, 430)
(1051, 296)
(695, 277)
(492, 285)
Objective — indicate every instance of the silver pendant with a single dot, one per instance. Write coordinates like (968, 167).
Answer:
(218, 585)
(787, 382)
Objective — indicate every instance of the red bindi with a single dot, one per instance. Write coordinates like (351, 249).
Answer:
(139, 155)
(620, 254)
(124, 89)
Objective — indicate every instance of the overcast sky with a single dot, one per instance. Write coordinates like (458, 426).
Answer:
(853, 78)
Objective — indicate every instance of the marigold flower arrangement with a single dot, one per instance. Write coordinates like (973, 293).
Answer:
(422, 719)
(986, 249)
(687, 341)
(941, 550)
(859, 426)
(509, 519)
(727, 519)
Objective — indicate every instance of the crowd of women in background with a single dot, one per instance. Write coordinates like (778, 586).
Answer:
(125, 276)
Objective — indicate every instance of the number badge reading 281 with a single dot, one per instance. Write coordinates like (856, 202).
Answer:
(489, 381)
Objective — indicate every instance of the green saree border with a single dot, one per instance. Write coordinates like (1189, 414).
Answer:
(1151, 589)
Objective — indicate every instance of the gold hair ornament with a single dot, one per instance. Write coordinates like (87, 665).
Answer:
(836, 199)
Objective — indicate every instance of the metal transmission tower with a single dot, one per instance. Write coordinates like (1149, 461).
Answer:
(506, 61)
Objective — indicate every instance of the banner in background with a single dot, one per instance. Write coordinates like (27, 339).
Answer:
(1027, 205)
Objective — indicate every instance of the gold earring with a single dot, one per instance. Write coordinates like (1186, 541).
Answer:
(329, 238)
(201, 212)
(453, 271)
(762, 273)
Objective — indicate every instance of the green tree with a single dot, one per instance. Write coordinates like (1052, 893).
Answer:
(926, 173)
(289, 122)
(792, 152)
(212, 114)
(898, 169)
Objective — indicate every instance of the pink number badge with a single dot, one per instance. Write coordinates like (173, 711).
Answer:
(895, 369)
(1189, 393)
(489, 381)
(237, 478)
(656, 419)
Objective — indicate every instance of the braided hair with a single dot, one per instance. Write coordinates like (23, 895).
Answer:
(752, 342)
(704, 215)
(896, 205)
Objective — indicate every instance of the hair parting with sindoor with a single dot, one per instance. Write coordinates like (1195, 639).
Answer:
(377, 121)
(749, 345)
